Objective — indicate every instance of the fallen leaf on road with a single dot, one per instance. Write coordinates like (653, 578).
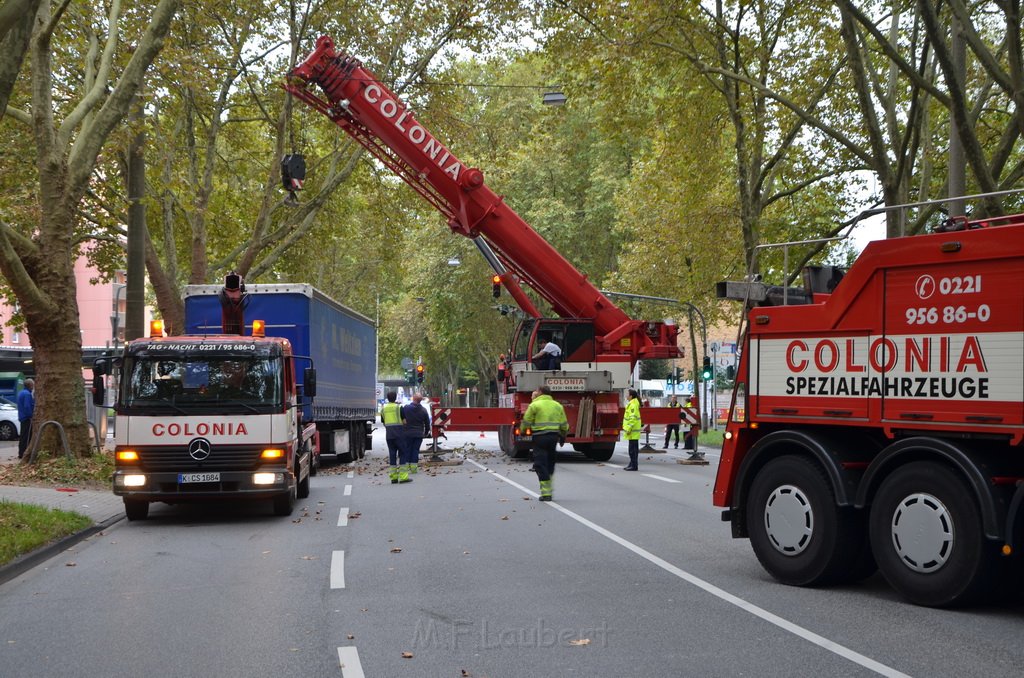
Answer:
(407, 655)
(355, 515)
(350, 637)
(465, 553)
(503, 500)
(71, 564)
(465, 674)
(504, 517)
(309, 557)
(526, 499)
(396, 550)
(581, 641)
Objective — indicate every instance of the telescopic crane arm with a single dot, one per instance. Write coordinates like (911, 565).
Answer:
(361, 105)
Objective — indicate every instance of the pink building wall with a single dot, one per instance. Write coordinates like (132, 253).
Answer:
(96, 305)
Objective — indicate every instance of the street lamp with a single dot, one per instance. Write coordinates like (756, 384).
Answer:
(115, 316)
(553, 97)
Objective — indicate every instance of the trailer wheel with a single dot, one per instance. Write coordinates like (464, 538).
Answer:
(797, 532)
(136, 509)
(284, 503)
(927, 536)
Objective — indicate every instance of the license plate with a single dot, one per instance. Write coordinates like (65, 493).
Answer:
(198, 478)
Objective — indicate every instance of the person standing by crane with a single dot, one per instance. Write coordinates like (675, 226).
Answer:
(631, 427)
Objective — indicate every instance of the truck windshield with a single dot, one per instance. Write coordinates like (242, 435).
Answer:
(202, 381)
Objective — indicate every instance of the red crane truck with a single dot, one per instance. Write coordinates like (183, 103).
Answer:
(879, 421)
(600, 343)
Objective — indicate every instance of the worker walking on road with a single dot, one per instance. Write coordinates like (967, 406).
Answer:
(545, 418)
(415, 429)
(672, 428)
(631, 427)
(391, 417)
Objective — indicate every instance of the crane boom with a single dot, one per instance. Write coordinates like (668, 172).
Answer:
(355, 100)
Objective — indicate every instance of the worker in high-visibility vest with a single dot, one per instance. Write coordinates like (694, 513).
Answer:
(673, 428)
(631, 427)
(391, 417)
(545, 419)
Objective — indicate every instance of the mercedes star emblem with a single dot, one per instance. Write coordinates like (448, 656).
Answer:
(199, 449)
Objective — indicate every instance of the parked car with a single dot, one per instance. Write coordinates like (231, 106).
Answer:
(9, 426)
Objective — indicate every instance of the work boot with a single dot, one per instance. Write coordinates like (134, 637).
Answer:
(393, 474)
(403, 474)
(414, 468)
(545, 490)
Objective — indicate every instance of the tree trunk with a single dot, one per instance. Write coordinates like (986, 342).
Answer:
(57, 345)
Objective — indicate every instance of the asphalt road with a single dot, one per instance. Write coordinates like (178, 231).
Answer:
(464, 573)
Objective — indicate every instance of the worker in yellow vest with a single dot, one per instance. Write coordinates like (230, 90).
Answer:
(545, 419)
(391, 417)
(631, 427)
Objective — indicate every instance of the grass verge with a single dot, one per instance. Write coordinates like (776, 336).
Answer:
(24, 528)
(711, 437)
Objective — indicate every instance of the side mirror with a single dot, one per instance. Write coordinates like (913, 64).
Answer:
(99, 389)
(309, 382)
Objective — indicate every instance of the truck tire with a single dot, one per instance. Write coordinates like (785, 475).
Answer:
(302, 487)
(599, 451)
(136, 509)
(505, 439)
(927, 536)
(284, 503)
(798, 533)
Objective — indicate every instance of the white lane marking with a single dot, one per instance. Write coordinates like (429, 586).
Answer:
(348, 657)
(351, 474)
(784, 624)
(343, 517)
(348, 490)
(338, 570)
(661, 478)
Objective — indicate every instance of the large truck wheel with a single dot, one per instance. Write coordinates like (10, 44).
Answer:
(284, 503)
(927, 536)
(798, 533)
(599, 451)
(136, 509)
(505, 439)
(302, 487)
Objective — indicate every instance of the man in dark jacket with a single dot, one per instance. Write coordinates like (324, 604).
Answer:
(26, 408)
(416, 427)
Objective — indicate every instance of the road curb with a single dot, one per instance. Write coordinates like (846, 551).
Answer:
(24, 563)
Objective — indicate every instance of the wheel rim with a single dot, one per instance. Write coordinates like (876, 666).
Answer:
(922, 532)
(788, 520)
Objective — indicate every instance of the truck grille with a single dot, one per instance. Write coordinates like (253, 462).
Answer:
(222, 458)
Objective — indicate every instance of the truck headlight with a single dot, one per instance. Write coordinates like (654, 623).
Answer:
(133, 480)
(267, 478)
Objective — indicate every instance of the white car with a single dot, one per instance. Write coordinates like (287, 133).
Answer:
(9, 427)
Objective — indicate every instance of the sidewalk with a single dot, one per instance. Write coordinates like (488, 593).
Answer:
(103, 507)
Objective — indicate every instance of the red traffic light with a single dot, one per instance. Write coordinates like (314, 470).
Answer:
(496, 285)
(419, 373)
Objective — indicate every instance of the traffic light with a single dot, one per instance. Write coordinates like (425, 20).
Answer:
(706, 372)
(409, 378)
(671, 380)
(419, 373)
(496, 285)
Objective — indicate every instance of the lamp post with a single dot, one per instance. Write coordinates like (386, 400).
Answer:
(115, 316)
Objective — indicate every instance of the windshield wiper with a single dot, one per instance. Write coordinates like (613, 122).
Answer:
(239, 402)
(157, 402)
